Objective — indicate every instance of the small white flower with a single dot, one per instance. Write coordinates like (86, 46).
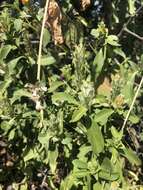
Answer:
(38, 107)
(44, 88)
(34, 93)
(2, 72)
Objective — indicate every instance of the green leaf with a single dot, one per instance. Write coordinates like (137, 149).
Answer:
(62, 97)
(4, 51)
(12, 64)
(98, 63)
(103, 115)
(20, 93)
(54, 86)
(31, 154)
(46, 37)
(97, 186)
(142, 59)
(78, 114)
(106, 165)
(116, 134)
(85, 187)
(79, 164)
(67, 141)
(83, 150)
(120, 52)
(108, 176)
(11, 134)
(95, 33)
(81, 173)
(134, 119)
(132, 7)
(52, 157)
(4, 85)
(95, 138)
(7, 125)
(18, 24)
(112, 40)
(44, 138)
(131, 156)
(68, 182)
(128, 89)
(47, 60)
(108, 170)
(23, 186)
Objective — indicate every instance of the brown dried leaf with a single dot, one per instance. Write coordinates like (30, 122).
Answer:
(105, 87)
(2, 151)
(54, 22)
(85, 4)
(3, 144)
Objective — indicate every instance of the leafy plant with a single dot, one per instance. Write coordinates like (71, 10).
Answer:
(80, 125)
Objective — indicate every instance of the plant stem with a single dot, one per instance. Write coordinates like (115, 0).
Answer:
(132, 105)
(133, 34)
(41, 40)
(129, 20)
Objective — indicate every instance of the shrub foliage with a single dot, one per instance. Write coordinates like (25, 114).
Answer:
(66, 131)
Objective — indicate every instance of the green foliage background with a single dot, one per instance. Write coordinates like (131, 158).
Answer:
(65, 132)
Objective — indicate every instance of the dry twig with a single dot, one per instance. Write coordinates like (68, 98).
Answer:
(129, 20)
(52, 17)
(41, 40)
(133, 34)
(132, 105)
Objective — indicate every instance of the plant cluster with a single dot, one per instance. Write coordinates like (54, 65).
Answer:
(67, 130)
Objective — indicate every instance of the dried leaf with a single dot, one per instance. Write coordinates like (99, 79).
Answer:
(105, 88)
(2, 151)
(85, 4)
(54, 22)
(3, 144)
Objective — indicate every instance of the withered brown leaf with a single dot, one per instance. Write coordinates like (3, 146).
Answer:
(105, 87)
(54, 18)
(2, 151)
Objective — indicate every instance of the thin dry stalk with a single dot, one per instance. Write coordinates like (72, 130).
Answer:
(41, 40)
(132, 105)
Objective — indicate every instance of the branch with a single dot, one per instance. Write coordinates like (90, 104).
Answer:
(129, 20)
(41, 40)
(133, 34)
